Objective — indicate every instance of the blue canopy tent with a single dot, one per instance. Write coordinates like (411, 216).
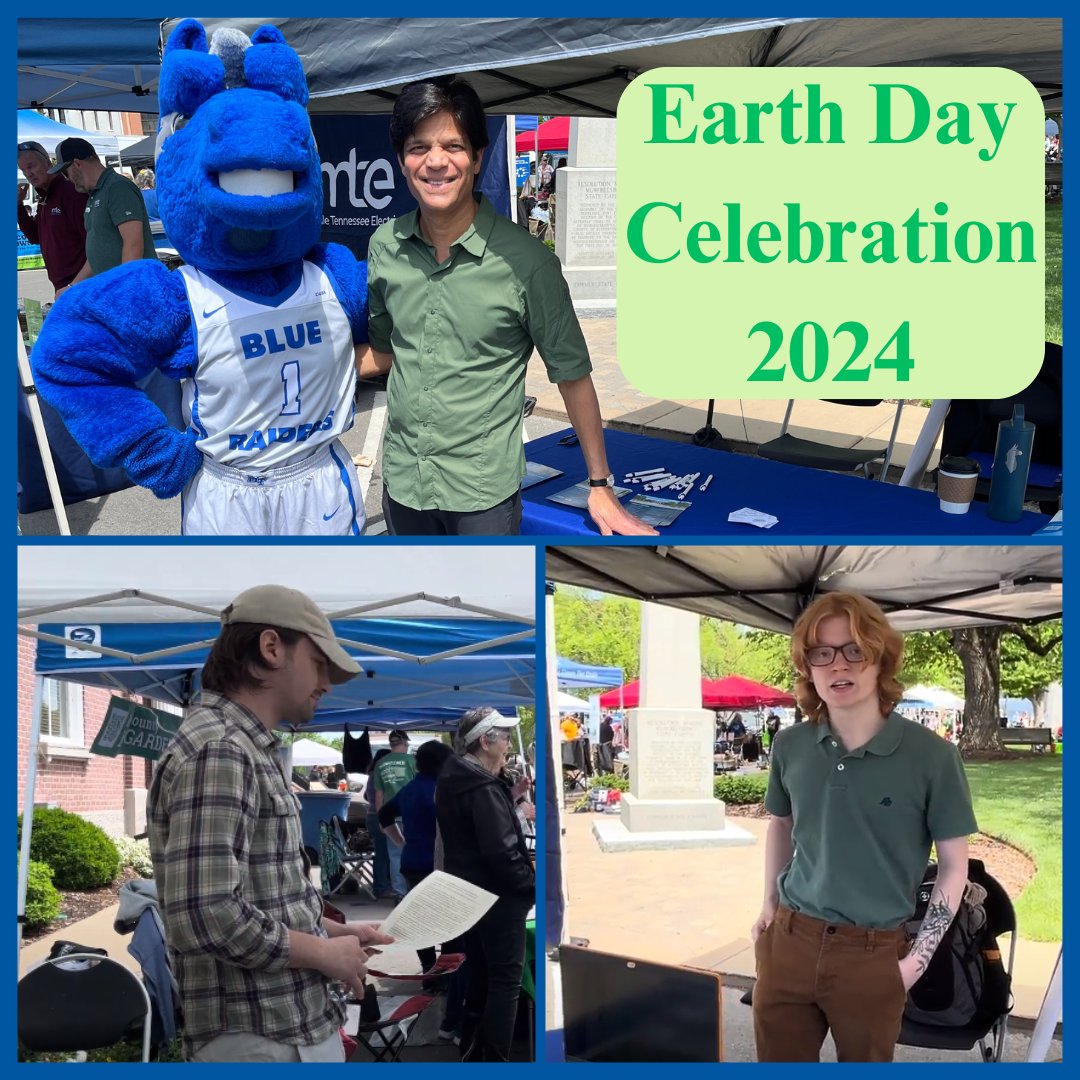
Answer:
(33, 126)
(141, 619)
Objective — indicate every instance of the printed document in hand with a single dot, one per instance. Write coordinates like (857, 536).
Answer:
(440, 908)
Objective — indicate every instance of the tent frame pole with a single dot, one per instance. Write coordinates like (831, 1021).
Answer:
(41, 437)
(28, 800)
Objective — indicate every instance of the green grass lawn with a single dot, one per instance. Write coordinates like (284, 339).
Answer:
(1019, 802)
(1053, 271)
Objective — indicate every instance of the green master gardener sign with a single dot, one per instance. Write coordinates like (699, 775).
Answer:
(136, 730)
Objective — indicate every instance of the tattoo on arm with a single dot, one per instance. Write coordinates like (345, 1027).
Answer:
(938, 918)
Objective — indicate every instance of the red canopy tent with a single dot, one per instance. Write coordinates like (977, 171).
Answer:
(733, 692)
(553, 134)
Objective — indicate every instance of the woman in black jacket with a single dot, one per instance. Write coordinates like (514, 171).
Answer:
(483, 843)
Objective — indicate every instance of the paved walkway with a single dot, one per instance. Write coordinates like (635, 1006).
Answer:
(696, 907)
(745, 422)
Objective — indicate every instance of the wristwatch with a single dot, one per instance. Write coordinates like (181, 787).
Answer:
(607, 481)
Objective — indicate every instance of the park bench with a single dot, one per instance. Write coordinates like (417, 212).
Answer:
(1036, 738)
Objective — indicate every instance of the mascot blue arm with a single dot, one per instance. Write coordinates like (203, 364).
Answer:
(98, 341)
(231, 117)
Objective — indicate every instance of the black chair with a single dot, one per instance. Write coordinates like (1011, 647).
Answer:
(792, 450)
(574, 763)
(81, 1001)
(971, 429)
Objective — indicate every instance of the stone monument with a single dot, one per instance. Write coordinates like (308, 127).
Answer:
(585, 213)
(670, 802)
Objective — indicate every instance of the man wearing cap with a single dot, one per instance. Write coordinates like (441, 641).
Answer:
(117, 225)
(58, 225)
(390, 775)
(260, 971)
(483, 843)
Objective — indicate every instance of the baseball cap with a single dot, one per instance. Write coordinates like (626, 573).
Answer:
(68, 150)
(398, 736)
(275, 605)
(35, 146)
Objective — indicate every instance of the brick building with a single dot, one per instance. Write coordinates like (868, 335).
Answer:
(69, 776)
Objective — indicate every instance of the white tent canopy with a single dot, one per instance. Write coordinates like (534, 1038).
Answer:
(932, 697)
(570, 704)
(919, 588)
(307, 752)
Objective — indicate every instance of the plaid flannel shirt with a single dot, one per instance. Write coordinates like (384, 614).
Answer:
(226, 845)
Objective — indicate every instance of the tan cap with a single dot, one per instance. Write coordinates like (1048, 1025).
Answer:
(276, 605)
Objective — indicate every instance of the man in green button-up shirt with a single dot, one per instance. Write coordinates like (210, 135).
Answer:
(857, 796)
(458, 298)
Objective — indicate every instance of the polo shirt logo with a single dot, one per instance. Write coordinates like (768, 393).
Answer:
(886, 801)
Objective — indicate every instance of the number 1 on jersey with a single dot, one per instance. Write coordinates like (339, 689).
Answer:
(290, 383)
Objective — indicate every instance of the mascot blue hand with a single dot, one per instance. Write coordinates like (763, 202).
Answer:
(261, 322)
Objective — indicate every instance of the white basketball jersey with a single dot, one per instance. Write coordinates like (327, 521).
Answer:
(272, 382)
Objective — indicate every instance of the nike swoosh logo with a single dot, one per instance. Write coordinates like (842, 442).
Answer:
(207, 314)
(327, 517)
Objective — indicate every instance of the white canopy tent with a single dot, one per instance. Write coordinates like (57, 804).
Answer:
(932, 697)
(307, 752)
(476, 604)
(570, 704)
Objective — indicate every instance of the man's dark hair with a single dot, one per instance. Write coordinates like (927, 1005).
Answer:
(236, 660)
(419, 101)
(432, 756)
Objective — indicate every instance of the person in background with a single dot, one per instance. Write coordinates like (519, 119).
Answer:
(391, 774)
(381, 869)
(117, 225)
(58, 226)
(570, 728)
(483, 843)
(144, 179)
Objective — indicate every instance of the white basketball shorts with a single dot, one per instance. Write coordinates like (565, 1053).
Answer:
(319, 496)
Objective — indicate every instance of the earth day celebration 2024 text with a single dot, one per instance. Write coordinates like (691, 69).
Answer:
(817, 232)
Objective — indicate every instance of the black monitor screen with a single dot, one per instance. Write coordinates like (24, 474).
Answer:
(619, 1009)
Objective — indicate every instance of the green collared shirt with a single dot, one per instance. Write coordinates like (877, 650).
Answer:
(462, 333)
(863, 821)
(115, 201)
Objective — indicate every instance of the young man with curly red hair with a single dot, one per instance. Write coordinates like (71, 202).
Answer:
(857, 797)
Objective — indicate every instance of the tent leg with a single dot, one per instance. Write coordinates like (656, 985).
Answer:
(1047, 1019)
(28, 800)
(924, 444)
(27, 378)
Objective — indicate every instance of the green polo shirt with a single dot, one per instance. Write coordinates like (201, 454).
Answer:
(863, 821)
(113, 202)
(462, 333)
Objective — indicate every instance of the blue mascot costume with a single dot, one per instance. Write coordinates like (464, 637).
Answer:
(261, 325)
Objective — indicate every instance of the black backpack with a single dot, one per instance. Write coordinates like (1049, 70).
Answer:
(966, 983)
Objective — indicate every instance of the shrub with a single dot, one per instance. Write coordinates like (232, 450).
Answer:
(740, 790)
(610, 780)
(80, 853)
(136, 854)
(42, 898)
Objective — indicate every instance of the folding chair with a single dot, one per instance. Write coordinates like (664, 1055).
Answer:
(814, 455)
(81, 1001)
(388, 1036)
(573, 763)
(338, 865)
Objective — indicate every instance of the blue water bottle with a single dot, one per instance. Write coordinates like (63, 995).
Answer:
(1012, 461)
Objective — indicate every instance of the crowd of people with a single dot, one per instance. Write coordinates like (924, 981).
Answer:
(263, 974)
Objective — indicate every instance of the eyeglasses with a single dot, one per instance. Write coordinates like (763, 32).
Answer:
(821, 655)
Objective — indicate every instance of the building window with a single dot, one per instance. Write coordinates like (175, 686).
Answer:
(62, 712)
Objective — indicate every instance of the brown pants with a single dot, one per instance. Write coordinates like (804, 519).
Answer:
(814, 976)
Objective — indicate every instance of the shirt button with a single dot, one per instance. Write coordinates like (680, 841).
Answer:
(840, 767)
(433, 312)
(834, 743)
(830, 930)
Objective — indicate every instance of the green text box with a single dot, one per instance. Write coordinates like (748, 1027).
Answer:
(805, 232)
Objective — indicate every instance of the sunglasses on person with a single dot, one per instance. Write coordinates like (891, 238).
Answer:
(822, 655)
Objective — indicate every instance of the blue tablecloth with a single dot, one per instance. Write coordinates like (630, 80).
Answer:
(808, 502)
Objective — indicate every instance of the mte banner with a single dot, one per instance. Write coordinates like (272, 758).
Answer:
(134, 730)
(363, 185)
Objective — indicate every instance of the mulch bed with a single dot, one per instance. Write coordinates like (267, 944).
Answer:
(81, 905)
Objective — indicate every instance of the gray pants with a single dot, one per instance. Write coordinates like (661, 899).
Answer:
(246, 1046)
(502, 519)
